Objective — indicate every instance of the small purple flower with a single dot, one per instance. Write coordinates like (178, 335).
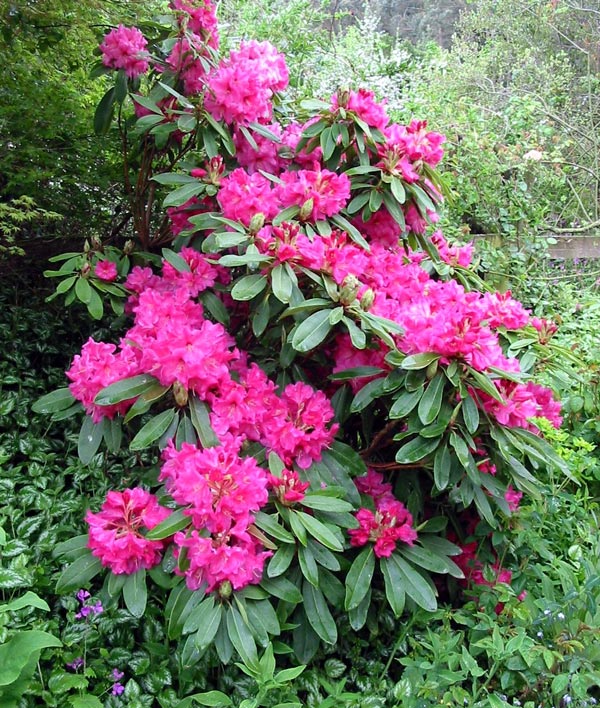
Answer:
(75, 664)
(117, 689)
(117, 675)
(82, 596)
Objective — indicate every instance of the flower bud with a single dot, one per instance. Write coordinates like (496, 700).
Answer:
(225, 589)
(256, 223)
(343, 96)
(85, 270)
(306, 209)
(128, 247)
(180, 394)
(350, 288)
(366, 301)
(86, 246)
(96, 243)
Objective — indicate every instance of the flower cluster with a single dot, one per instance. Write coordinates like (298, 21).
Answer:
(221, 492)
(125, 48)
(241, 88)
(116, 531)
(389, 523)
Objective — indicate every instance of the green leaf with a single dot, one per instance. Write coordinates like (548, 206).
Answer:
(281, 283)
(424, 558)
(201, 422)
(419, 361)
(200, 616)
(431, 400)
(485, 384)
(208, 629)
(356, 372)
(367, 394)
(216, 699)
(268, 523)
(405, 403)
(414, 584)
(470, 414)
(282, 588)
(417, 449)
(135, 593)
(72, 548)
(358, 580)
(83, 290)
(262, 619)
(181, 195)
(85, 701)
(323, 502)
(90, 437)
(58, 400)
(125, 389)
(311, 332)
(317, 529)
(398, 190)
(318, 614)
(357, 336)
(308, 565)
(29, 599)
(248, 287)
(281, 559)
(177, 261)
(394, 586)
(104, 112)
(79, 573)
(152, 430)
(241, 637)
(176, 521)
(442, 464)
(16, 652)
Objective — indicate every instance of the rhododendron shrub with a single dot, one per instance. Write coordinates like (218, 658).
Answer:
(323, 380)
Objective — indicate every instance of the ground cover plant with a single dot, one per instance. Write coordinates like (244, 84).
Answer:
(316, 423)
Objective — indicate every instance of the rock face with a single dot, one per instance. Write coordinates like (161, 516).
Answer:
(417, 20)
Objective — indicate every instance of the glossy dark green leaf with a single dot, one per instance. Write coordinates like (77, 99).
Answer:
(153, 430)
(416, 449)
(308, 565)
(90, 437)
(248, 287)
(282, 588)
(176, 521)
(125, 389)
(431, 400)
(58, 400)
(135, 593)
(318, 613)
(104, 112)
(311, 332)
(241, 637)
(419, 361)
(281, 559)
(359, 577)
(79, 573)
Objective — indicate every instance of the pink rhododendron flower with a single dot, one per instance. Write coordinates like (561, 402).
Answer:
(288, 487)
(329, 192)
(416, 142)
(266, 154)
(390, 523)
(453, 255)
(364, 105)
(235, 558)
(296, 429)
(202, 274)
(241, 88)
(198, 17)
(520, 403)
(513, 498)
(95, 368)
(125, 48)
(219, 489)
(115, 532)
(373, 485)
(346, 356)
(106, 270)
(244, 195)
